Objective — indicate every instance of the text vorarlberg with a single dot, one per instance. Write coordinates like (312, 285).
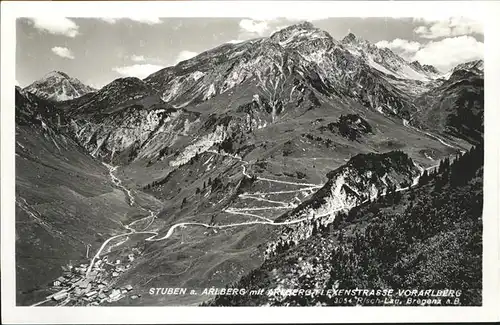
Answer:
(311, 292)
(399, 292)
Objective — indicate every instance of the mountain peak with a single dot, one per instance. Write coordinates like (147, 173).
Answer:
(476, 66)
(416, 64)
(426, 68)
(58, 86)
(349, 38)
(304, 25)
(299, 32)
(385, 60)
(359, 42)
(124, 91)
(127, 85)
(56, 74)
(430, 68)
(125, 82)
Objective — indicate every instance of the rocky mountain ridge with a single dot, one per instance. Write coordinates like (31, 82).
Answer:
(386, 61)
(280, 70)
(244, 148)
(58, 86)
(364, 178)
(350, 68)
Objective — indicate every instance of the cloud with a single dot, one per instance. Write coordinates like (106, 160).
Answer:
(235, 41)
(270, 17)
(455, 26)
(443, 54)
(55, 25)
(109, 20)
(137, 58)
(143, 20)
(449, 52)
(63, 52)
(95, 85)
(142, 70)
(142, 58)
(185, 55)
(400, 44)
(137, 70)
(148, 20)
(402, 47)
(254, 26)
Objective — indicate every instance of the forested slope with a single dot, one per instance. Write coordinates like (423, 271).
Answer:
(428, 237)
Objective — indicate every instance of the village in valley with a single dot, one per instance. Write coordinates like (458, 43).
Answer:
(80, 286)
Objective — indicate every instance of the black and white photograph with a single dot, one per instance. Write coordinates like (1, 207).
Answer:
(284, 161)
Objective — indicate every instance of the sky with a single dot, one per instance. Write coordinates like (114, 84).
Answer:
(99, 50)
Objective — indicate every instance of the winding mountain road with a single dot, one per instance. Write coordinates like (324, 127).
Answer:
(241, 211)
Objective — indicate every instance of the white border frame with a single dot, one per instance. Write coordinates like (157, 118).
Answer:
(487, 12)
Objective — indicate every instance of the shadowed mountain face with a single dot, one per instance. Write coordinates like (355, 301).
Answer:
(214, 164)
(65, 199)
(456, 107)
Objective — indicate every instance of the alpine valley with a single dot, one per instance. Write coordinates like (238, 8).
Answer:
(295, 161)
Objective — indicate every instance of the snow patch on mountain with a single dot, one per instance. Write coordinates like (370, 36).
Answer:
(197, 75)
(210, 92)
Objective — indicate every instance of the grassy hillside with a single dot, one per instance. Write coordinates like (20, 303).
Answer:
(65, 200)
(429, 237)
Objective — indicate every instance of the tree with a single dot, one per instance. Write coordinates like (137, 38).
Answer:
(424, 178)
(314, 228)
(397, 197)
